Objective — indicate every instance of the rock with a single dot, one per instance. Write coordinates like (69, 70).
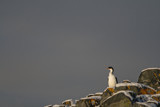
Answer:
(107, 93)
(48, 106)
(119, 99)
(135, 87)
(130, 99)
(68, 102)
(98, 94)
(146, 98)
(156, 97)
(151, 77)
(145, 101)
(58, 106)
(144, 104)
(89, 101)
(126, 81)
(82, 103)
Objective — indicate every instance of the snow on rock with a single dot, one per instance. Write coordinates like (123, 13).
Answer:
(92, 97)
(48, 106)
(68, 102)
(56, 105)
(98, 94)
(146, 104)
(146, 98)
(89, 95)
(156, 95)
(90, 100)
(124, 92)
(129, 84)
(150, 77)
(139, 85)
(119, 99)
(126, 81)
(155, 68)
(134, 84)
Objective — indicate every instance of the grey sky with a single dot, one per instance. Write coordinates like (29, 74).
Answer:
(55, 50)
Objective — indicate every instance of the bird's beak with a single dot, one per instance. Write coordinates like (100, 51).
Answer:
(107, 68)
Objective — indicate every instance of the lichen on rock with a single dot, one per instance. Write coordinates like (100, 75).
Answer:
(150, 77)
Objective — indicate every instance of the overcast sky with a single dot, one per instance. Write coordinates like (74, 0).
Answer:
(53, 50)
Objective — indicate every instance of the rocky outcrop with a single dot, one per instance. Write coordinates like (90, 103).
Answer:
(68, 102)
(89, 101)
(144, 93)
(119, 99)
(150, 77)
(137, 88)
(129, 95)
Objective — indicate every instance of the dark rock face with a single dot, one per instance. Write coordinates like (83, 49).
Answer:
(135, 87)
(82, 103)
(130, 99)
(119, 99)
(107, 93)
(89, 101)
(67, 102)
(150, 77)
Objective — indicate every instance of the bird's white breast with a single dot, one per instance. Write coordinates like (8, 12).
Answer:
(111, 80)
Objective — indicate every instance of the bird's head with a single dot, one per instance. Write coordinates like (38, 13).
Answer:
(110, 68)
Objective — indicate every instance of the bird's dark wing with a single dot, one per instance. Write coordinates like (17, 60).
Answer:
(116, 80)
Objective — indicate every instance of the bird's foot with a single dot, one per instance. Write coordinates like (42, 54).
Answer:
(111, 90)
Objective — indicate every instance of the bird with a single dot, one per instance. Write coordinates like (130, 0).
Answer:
(112, 80)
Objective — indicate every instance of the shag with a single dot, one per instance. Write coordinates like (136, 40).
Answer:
(112, 80)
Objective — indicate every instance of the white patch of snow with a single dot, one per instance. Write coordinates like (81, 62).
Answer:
(126, 81)
(143, 98)
(92, 97)
(48, 106)
(146, 98)
(98, 93)
(147, 104)
(125, 93)
(56, 105)
(76, 101)
(73, 105)
(67, 101)
(128, 84)
(152, 105)
(134, 84)
(151, 69)
(155, 95)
